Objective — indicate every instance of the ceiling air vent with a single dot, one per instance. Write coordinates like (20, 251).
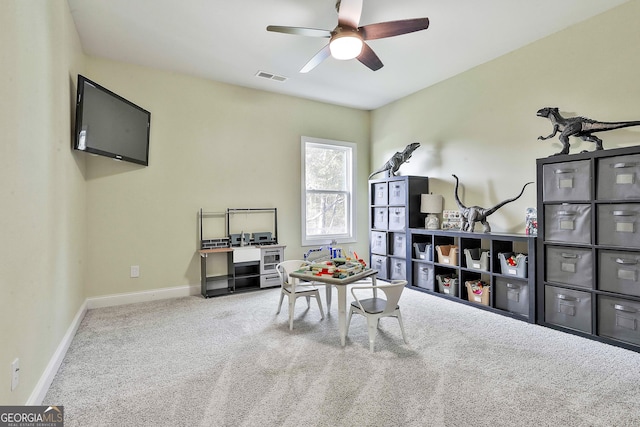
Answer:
(275, 77)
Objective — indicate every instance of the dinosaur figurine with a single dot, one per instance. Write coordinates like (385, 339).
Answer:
(394, 163)
(580, 127)
(472, 214)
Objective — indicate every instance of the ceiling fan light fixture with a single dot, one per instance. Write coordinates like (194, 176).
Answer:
(345, 46)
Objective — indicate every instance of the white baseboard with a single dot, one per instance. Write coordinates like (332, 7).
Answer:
(133, 297)
(40, 391)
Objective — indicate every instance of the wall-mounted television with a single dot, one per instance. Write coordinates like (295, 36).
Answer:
(109, 125)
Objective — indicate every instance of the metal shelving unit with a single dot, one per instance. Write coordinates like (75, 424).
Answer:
(250, 264)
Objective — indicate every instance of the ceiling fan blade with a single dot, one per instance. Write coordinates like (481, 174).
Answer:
(323, 54)
(300, 31)
(393, 28)
(369, 58)
(349, 13)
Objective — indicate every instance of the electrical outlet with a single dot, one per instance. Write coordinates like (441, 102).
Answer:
(15, 374)
(135, 271)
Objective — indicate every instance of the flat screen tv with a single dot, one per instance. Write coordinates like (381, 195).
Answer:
(109, 125)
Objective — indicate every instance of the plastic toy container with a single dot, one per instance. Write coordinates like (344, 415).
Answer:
(448, 284)
(478, 291)
(423, 251)
(477, 258)
(512, 264)
(447, 254)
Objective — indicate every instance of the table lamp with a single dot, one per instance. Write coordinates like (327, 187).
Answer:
(431, 204)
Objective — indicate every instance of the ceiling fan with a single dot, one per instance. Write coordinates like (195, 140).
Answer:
(347, 40)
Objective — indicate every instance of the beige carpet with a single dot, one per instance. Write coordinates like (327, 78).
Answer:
(230, 361)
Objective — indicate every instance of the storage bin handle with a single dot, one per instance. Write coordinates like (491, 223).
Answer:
(623, 165)
(620, 307)
(571, 256)
(566, 213)
(512, 286)
(566, 297)
(624, 213)
(626, 261)
(559, 171)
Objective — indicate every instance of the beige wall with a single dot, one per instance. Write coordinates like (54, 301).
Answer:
(42, 190)
(213, 146)
(482, 125)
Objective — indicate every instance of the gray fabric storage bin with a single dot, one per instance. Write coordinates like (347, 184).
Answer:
(379, 263)
(380, 195)
(568, 181)
(397, 219)
(423, 251)
(397, 191)
(398, 269)
(618, 272)
(568, 223)
(618, 177)
(399, 245)
(379, 242)
(380, 218)
(423, 275)
(619, 319)
(571, 266)
(512, 295)
(619, 225)
(568, 308)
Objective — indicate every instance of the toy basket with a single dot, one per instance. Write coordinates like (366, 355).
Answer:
(512, 264)
(477, 258)
(447, 254)
(448, 284)
(423, 251)
(478, 291)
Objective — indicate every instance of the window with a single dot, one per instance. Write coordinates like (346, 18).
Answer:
(328, 199)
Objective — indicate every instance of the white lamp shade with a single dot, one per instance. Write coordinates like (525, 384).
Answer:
(431, 203)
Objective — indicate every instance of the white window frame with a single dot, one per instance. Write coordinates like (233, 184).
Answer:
(350, 236)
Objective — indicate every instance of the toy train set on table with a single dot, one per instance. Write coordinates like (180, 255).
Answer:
(338, 268)
(329, 261)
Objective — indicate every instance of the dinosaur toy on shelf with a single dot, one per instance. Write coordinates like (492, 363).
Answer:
(580, 127)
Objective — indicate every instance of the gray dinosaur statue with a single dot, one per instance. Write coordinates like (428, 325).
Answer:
(472, 214)
(580, 127)
(394, 163)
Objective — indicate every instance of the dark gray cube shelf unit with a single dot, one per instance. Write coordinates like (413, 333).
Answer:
(589, 245)
(394, 207)
(471, 256)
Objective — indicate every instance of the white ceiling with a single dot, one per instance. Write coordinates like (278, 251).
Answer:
(227, 40)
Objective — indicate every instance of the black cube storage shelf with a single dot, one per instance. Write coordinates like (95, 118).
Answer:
(441, 254)
(394, 207)
(589, 245)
